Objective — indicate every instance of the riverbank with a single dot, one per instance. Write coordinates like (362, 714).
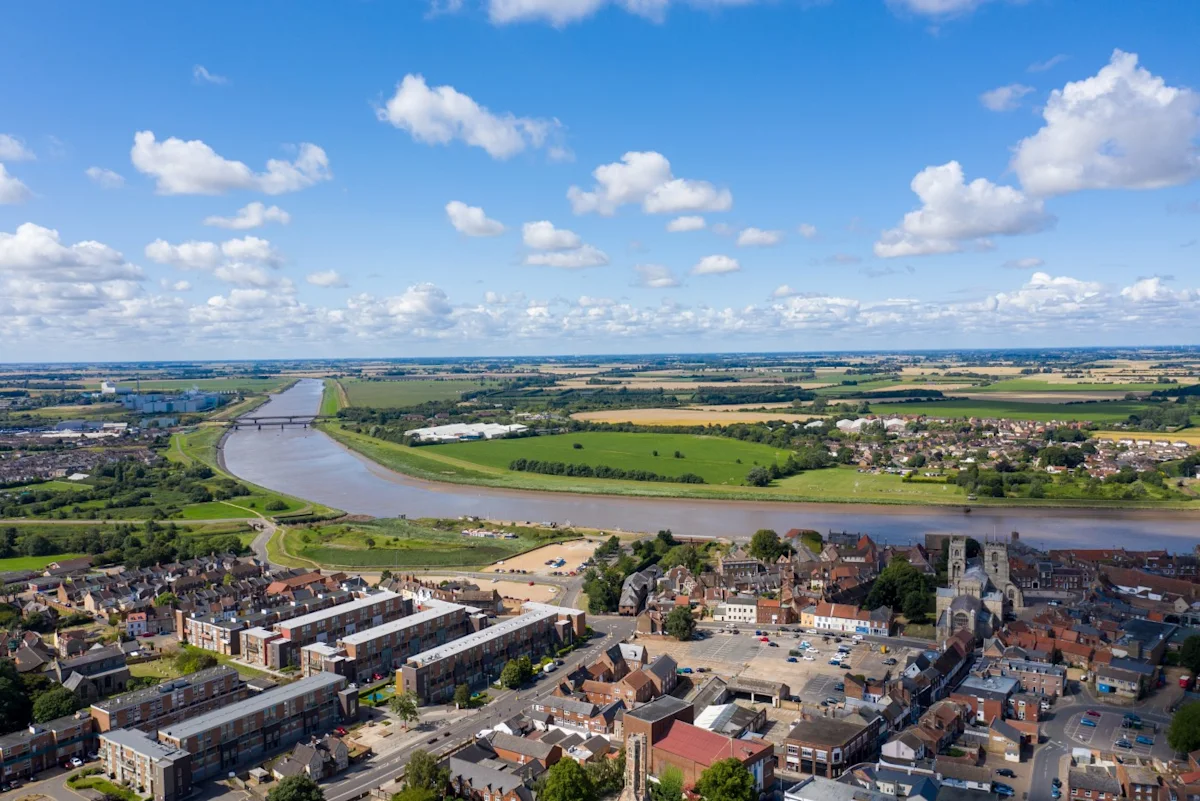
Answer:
(830, 486)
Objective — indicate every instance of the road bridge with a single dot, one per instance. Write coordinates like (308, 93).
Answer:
(280, 420)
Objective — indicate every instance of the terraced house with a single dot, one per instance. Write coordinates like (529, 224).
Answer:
(478, 658)
(227, 739)
(171, 701)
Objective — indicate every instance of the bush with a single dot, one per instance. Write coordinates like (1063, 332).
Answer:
(275, 505)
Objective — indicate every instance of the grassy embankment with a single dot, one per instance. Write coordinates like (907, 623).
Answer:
(200, 445)
(408, 544)
(384, 394)
(333, 398)
(834, 485)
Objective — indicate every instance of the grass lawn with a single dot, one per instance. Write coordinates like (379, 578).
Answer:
(407, 543)
(863, 385)
(385, 394)
(847, 483)
(33, 562)
(715, 459)
(94, 411)
(333, 398)
(1100, 412)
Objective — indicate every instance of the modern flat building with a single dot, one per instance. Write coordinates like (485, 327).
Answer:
(827, 746)
(43, 745)
(136, 759)
(478, 658)
(383, 649)
(327, 625)
(229, 738)
(220, 633)
(154, 707)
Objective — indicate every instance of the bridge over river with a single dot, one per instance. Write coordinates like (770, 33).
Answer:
(279, 420)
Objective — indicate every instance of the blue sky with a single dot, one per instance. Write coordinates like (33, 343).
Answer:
(1055, 150)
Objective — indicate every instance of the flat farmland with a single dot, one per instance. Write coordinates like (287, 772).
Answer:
(690, 417)
(209, 384)
(1105, 412)
(1063, 384)
(384, 394)
(717, 460)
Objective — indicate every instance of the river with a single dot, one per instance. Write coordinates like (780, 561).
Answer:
(308, 464)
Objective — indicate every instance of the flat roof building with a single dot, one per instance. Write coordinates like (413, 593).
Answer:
(228, 738)
(136, 759)
(170, 701)
(382, 649)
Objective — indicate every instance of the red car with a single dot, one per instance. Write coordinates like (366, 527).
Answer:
(146, 634)
(340, 731)
(531, 584)
(764, 639)
(1093, 713)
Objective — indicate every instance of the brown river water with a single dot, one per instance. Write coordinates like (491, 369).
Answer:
(308, 464)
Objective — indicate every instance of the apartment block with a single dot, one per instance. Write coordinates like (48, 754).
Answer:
(166, 703)
(230, 738)
(220, 633)
(383, 649)
(478, 658)
(43, 745)
(827, 746)
(327, 625)
(136, 759)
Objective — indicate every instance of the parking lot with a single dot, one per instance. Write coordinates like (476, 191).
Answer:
(744, 654)
(1108, 731)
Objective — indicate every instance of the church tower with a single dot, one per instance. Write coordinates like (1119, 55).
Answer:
(995, 562)
(957, 561)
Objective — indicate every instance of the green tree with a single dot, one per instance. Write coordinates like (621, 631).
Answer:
(765, 545)
(915, 603)
(567, 781)
(405, 706)
(462, 696)
(55, 703)
(15, 705)
(423, 773)
(526, 666)
(686, 555)
(1184, 734)
(607, 775)
(680, 624)
(758, 477)
(168, 599)
(1189, 654)
(296, 788)
(670, 785)
(192, 659)
(727, 780)
(415, 794)
(510, 676)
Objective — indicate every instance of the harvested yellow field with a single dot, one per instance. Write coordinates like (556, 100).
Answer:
(1190, 437)
(741, 407)
(575, 553)
(919, 385)
(689, 417)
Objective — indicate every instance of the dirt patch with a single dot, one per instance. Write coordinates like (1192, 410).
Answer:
(573, 554)
(516, 592)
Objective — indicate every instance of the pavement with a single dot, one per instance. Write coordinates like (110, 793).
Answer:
(503, 705)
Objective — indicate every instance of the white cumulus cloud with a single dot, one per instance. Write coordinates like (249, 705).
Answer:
(237, 261)
(471, 221)
(105, 179)
(655, 276)
(202, 75)
(716, 265)
(193, 168)
(807, 230)
(12, 190)
(686, 223)
(954, 213)
(542, 235)
(561, 13)
(252, 215)
(326, 278)
(1005, 98)
(784, 291)
(1123, 128)
(442, 114)
(646, 178)
(585, 256)
(13, 148)
(757, 237)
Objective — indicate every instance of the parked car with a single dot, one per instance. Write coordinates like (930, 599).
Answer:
(1055, 793)
(340, 731)
(685, 670)
(1087, 722)
(891, 660)
(146, 634)
(1123, 744)
(999, 788)
(1006, 772)
(807, 658)
(857, 638)
(1142, 739)
(835, 662)
(1057, 782)
(840, 686)
(831, 700)
(1132, 716)
(764, 639)
(1094, 713)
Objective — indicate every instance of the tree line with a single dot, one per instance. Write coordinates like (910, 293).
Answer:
(599, 471)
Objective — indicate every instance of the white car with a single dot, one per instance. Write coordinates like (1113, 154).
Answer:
(857, 638)
(808, 658)
(76, 762)
(482, 733)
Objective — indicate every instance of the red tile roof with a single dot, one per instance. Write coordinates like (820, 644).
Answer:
(704, 747)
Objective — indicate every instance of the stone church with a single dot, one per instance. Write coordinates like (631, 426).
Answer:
(980, 591)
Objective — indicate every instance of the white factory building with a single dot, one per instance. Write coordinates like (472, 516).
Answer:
(458, 432)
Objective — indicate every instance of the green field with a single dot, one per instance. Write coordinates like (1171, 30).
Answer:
(331, 398)
(1099, 412)
(1036, 385)
(33, 562)
(836, 485)
(210, 384)
(407, 543)
(718, 460)
(384, 394)
(94, 411)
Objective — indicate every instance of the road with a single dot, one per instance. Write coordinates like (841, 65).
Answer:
(503, 705)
